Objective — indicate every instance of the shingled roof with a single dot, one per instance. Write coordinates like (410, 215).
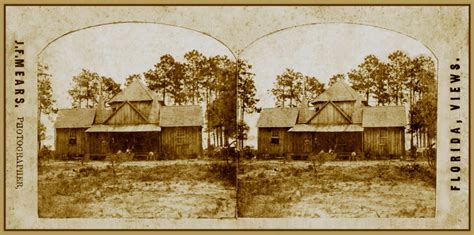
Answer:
(277, 117)
(136, 91)
(165, 116)
(339, 91)
(179, 116)
(75, 118)
(384, 116)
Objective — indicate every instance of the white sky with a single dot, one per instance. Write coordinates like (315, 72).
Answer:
(320, 50)
(119, 50)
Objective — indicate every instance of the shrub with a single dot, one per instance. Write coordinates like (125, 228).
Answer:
(147, 177)
(224, 170)
(417, 171)
(89, 171)
(318, 159)
(45, 153)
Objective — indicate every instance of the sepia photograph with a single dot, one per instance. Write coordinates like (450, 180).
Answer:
(345, 126)
(237, 117)
(136, 121)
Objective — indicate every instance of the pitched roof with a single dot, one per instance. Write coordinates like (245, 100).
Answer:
(339, 91)
(178, 116)
(75, 118)
(384, 116)
(277, 117)
(136, 91)
(166, 116)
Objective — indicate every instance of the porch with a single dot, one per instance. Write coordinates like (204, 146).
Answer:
(138, 139)
(341, 139)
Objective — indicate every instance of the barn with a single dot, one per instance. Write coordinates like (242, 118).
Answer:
(135, 119)
(339, 120)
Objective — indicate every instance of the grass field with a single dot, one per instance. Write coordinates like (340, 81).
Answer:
(206, 189)
(336, 189)
(147, 189)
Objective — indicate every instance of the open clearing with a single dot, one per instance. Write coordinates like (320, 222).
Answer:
(145, 189)
(337, 189)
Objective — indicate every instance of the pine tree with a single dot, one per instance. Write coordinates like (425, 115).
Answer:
(88, 88)
(46, 101)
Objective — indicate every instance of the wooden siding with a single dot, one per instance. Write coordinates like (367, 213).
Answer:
(63, 145)
(143, 106)
(181, 142)
(301, 142)
(384, 141)
(265, 145)
(346, 106)
(329, 115)
(126, 115)
(115, 105)
(99, 143)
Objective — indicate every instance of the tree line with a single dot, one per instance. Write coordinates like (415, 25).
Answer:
(212, 80)
(196, 79)
(291, 87)
(399, 80)
(46, 102)
(402, 80)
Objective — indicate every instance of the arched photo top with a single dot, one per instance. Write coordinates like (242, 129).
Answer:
(135, 23)
(306, 26)
(323, 50)
(120, 49)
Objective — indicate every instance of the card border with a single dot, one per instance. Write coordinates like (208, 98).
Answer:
(5, 5)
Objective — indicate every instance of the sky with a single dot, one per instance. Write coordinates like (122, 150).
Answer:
(319, 50)
(119, 50)
(116, 51)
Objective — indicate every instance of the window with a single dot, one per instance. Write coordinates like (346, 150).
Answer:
(275, 137)
(383, 140)
(72, 137)
(180, 137)
(383, 135)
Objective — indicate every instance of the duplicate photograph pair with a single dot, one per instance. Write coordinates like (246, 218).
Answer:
(289, 115)
(178, 126)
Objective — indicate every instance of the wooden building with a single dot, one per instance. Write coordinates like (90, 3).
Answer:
(340, 120)
(135, 120)
(70, 127)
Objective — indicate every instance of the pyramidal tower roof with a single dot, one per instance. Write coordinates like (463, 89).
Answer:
(136, 91)
(339, 91)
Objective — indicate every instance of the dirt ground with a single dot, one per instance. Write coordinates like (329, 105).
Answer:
(336, 189)
(145, 189)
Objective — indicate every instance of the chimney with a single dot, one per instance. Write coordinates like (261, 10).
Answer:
(303, 111)
(101, 104)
